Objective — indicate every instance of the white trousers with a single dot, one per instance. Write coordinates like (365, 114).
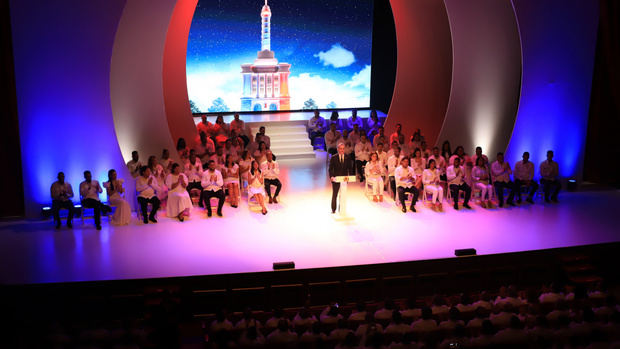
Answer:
(436, 191)
(376, 184)
(485, 189)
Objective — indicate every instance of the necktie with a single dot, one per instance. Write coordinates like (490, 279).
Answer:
(341, 159)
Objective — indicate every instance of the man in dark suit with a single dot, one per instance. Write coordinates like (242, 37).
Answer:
(339, 165)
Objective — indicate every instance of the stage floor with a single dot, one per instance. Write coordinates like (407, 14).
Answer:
(302, 229)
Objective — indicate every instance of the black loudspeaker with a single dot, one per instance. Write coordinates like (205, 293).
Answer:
(465, 252)
(283, 265)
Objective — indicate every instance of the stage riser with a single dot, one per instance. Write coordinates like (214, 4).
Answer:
(289, 139)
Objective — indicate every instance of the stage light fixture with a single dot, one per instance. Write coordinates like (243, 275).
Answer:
(283, 265)
(465, 252)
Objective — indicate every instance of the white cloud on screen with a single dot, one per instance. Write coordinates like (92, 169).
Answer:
(336, 56)
(323, 91)
(361, 78)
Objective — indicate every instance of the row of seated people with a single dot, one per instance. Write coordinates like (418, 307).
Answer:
(513, 319)
(318, 127)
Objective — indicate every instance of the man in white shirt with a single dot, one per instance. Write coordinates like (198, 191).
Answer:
(261, 136)
(193, 171)
(356, 135)
(456, 182)
(549, 172)
(440, 162)
(524, 177)
(271, 171)
(134, 164)
(382, 155)
(331, 139)
(61, 193)
(406, 182)
(393, 162)
(500, 173)
(204, 126)
(205, 147)
(362, 155)
(381, 133)
(219, 158)
(238, 126)
(89, 193)
(394, 136)
(479, 154)
(212, 183)
(354, 120)
(147, 187)
(316, 125)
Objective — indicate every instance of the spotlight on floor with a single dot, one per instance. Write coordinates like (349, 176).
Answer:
(571, 185)
(465, 252)
(283, 265)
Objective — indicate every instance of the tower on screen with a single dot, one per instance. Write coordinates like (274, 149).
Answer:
(265, 82)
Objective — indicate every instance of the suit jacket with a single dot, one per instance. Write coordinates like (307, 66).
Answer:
(337, 168)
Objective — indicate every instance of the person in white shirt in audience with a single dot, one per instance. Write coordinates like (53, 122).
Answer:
(500, 172)
(89, 195)
(312, 336)
(418, 162)
(316, 125)
(146, 186)
(348, 145)
(355, 135)
(179, 203)
(261, 153)
(396, 135)
(430, 179)
(384, 315)
(426, 324)
(362, 155)
(478, 154)
(304, 319)
(393, 162)
(61, 193)
(340, 332)
(381, 154)
(221, 323)
(459, 152)
(330, 315)
(205, 147)
(247, 321)
(502, 318)
(204, 125)
(512, 336)
(380, 133)
(359, 314)
(440, 163)
(212, 184)
(271, 171)
(134, 164)
(373, 122)
(415, 141)
(193, 171)
(549, 172)
(407, 182)
(282, 336)
(456, 183)
(256, 185)
(485, 339)
(354, 120)
(219, 157)
(331, 139)
(244, 167)
(166, 161)
(115, 191)
(397, 326)
(263, 137)
(251, 338)
(524, 177)
(393, 146)
(238, 126)
(220, 130)
(454, 320)
(480, 176)
(230, 150)
(375, 170)
(231, 181)
(426, 151)
(158, 171)
(404, 149)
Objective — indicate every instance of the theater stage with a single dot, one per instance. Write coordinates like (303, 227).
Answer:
(302, 229)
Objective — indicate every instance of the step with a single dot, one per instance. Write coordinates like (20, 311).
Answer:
(288, 156)
(281, 130)
(277, 150)
(289, 136)
(289, 142)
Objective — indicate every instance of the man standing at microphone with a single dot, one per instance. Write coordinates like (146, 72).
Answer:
(339, 165)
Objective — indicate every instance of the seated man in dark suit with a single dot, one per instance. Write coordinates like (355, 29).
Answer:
(339, 165)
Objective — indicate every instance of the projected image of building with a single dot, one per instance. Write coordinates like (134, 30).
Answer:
(265, 82)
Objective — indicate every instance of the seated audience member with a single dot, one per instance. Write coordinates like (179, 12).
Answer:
(502, 318)
(204, 126)
(331, 139)
(212, 183)
(465, 304)
(375, 170)
(182, 149)
(146, 187)
(381, 154)
(397, 327)
(512, 336)
(415, 141)
(193, 171)
(359, 314)
(244, 167)
(362, 155)
(508, 295)
(236, 144)
(115, 191)
(256, 185)
(134, 164)
(396, 135)
(524, 177)
(62, 192)
(349, 146)
(330, 315)
(426, 324)
(355, 135)
(230, 150)
(478, 154)
(418, 162)
(272, 323)
(263, 137)
(247, 321)
(484, 301)
(89, 197)
(446, 150)
(426, 151)
(500, 172)
(282, 336)
(271, 171)
(340, 332)
(377, 137)
(430, 179)
(221, 323)
(552, 295)
(334, 117)
(373, 122)
(393, 146)
(480, 176)
(220, 130)
(231, 181)
(260, 154)
(411, 311)
(440, 163)
(312, 336)
(474, 325)
(238, 127)
(459, 152)
(485, 340)
(304, 320)
(158, 171)
(354, 120)
(179, 203)
(251, 338)
(219, 158)
(205, 147)
(458, 339)
(455, 175)
(316, 125)
(549, 172)
(440, 307)
(404, 148)
(165, 161)
(406, 182)
(384, 315)
(393, 162)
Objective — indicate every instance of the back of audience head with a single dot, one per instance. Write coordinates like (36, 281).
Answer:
(427, 313)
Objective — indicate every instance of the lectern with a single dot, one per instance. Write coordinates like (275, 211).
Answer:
(342, 193)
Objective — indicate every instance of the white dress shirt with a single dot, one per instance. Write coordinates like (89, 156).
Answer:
(238, 126)
(362, 151)
(549, 170)
(212, 180)
(419, 165)
(144, 189)
(134, 168)
(440, 163)
(270, 169)
(316, 124)
(501, 172)
(374, 170)
(480, 175)
(401, 175)
(455, 175)
(194, 171)
(474, 158)
(357, 121)
(331, 138)
(90, 190)
(430, 177)
(524, 170)
(393, 163)
(382, 158)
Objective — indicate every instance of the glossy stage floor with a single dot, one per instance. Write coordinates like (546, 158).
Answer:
(301, 229)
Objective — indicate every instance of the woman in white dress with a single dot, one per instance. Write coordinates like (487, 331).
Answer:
(115, 191)
(418, 162)
(231, 180)
(256, 186)
(374, 173)
(244, 167)
(430, 178)
(160, 175)
(260, 154)
(480, 177)
(179, 202)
